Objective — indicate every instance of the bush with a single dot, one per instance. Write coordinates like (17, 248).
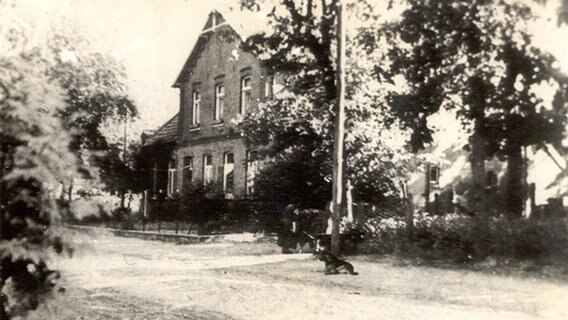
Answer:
(453, 237)
(530, 239)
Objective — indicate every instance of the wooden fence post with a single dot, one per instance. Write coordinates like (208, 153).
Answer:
(532, 195)
(409, 207)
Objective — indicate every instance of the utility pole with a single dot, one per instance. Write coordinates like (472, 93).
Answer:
(125, 138)
(124, 142)
(427, 188)
(338, 203)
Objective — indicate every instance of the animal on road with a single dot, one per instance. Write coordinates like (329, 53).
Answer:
(333, 264)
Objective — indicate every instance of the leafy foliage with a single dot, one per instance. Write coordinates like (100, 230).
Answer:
(34, 157)
(477, 59)
(294, 127)
(453, 236)
(96, 100)
(53, 103)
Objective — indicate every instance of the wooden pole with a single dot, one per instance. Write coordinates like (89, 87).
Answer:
(145, 204)
(338, 204)
(155, 180)
(427, 189)
(124, 142)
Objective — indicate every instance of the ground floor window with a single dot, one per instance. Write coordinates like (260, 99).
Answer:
(172, 178)
(252, 170)
(228, 172)
(207, 169)
(187, 171)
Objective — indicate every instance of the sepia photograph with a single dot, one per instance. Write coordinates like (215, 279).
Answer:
(283, 159)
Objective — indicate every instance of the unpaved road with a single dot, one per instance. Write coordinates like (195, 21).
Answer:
(126, 278)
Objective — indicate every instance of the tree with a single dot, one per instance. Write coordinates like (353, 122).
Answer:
(34, 157)
(53, 103)
(295, 127)
(96, 100)
(476, 58)
(562, 10)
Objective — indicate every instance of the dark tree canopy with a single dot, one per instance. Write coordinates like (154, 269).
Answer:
(476, 58)
(295, 126)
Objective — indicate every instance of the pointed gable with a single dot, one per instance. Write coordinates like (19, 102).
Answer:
(241, 24)
(213, 22)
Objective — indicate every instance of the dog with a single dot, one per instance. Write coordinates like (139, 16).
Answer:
(333, 264)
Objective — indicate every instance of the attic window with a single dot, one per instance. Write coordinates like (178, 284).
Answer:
(219, 101)
(246, 93)
(196, 107)
(434, 175)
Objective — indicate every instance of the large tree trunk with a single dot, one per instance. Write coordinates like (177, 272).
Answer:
(479, 191)
(122, 199)
(3, 203)
(515, 186)
(63, 192)
(3, 192)
(478, 93)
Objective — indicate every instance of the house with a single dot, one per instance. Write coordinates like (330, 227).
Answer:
(200, 147)
(441, 182)
(156, 162)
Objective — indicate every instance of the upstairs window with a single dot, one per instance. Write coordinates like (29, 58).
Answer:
(219, 102)
(196, 108)
(207, 169)
(246, 94)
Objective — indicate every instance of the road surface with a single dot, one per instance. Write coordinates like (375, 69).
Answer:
(127, 278)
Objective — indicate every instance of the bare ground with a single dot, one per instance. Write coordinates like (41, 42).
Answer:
(126, 278)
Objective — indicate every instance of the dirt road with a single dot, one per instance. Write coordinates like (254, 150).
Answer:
(126, 278)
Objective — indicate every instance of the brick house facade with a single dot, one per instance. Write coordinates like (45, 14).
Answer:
(218, 82)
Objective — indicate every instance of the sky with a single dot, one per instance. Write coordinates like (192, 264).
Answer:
(153, 38)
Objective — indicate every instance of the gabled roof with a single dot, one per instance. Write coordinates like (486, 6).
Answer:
(243, 24)
(167, 132)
